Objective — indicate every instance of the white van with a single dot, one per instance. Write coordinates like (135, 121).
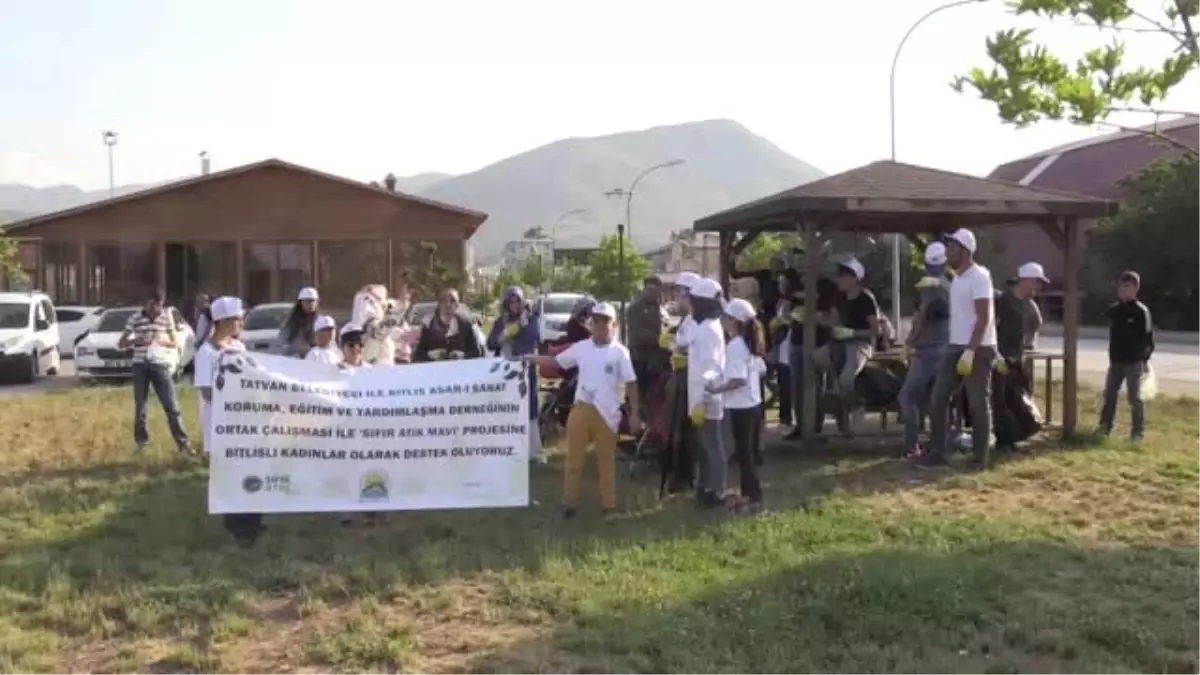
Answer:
(28, 336)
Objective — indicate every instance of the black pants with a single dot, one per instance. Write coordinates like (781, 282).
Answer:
(747, 426)
(783, 393)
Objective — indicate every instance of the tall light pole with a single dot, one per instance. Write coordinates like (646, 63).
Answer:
(628, 194)
(892, 118)
(110, 139)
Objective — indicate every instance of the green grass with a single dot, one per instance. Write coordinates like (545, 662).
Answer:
(1079, 559)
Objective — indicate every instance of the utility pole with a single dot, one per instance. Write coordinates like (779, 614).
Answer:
(110, 139)
(623, 272)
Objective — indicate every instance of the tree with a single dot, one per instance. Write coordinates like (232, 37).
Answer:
(1028, 83)
(1154, 233)
(607, 278)
(765, 248)
(571, 278)
(534, 233)
(11, 271)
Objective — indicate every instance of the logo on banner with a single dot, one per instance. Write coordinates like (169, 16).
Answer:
(252, 484)
(374, 486)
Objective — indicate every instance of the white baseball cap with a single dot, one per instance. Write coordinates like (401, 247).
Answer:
(349, 329)
(226, 307)
(935, 253)
(307, 293)
(706, 288)
(965, 238)
(324, 322)
(604, 309)
(1032, 270)
(687, 279)
(740, 309)
(855, 267)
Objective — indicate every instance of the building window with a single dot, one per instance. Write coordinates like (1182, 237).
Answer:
(61, 269)
(347, 266)
(120, 274)
(276, 271)
(201, 267)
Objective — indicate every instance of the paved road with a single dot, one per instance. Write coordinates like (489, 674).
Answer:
(1177, 366)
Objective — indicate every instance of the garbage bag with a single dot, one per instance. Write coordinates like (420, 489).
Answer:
(1015, 415)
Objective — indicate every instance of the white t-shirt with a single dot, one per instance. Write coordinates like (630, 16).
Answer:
(974, 283)
(329, 355)
(740, 364)
(204, 373)
(604, 370)
(706, 362)
(683, 335)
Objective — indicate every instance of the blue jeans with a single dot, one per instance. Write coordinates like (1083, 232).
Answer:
(917, 389)
(1131, 375)
(145, 376)
(715, 464)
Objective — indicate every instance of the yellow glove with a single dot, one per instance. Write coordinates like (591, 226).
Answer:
(697, 416)
(437, 354)
(927, 282)
(665, 340)
(797, 314)
(776, 323)
(1002, 366)
(842, 333)
(678, 361)
(907, 352)
(456, 355)
(966, 363)
(511, 330)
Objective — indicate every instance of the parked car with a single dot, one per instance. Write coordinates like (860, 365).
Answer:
(262, 325)
(98, 356)
(73, 322)
(28, 335)
(554, 310)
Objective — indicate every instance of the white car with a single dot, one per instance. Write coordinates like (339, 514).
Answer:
(554, 310)
(73, 322)
(262, 323)
(98, 356)
(28, 335)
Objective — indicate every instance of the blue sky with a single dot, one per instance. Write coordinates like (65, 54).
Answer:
(360, 88)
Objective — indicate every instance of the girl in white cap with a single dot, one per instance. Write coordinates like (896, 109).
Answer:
(324, 349)
(740, 388)
(296, 336)
(706, 362)
(227, 316)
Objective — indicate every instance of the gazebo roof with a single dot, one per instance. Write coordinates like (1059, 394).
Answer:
(887, 196)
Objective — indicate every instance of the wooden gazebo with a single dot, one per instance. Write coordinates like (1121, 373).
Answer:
(917, 202)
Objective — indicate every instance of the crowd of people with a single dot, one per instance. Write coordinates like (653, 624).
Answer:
(967, 342)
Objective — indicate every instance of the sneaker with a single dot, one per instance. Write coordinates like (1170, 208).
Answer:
(793, 435)
(184, 448)
(140, 447)
(785, 428)
(538, 459)
(711, 500)
(915, 452)
(1137, 439)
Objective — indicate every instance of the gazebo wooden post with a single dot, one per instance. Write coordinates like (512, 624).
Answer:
(812, 266)
(725, 249)
(1072, 267)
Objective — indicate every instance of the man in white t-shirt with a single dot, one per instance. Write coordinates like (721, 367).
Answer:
(970, 354)
(605, 378)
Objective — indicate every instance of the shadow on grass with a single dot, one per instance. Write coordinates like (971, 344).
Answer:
(1039, 607)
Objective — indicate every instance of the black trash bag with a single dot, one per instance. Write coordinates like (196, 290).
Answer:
(878, 385)
(675, 461)
(1015, 415)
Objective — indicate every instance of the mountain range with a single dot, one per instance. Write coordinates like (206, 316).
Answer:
(724, 164)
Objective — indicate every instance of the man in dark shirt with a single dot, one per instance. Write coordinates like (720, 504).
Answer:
(645, 323)
(854, 331)
(1012, 321)
(1130, 345)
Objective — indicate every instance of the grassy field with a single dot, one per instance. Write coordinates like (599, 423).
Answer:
(1079, 559)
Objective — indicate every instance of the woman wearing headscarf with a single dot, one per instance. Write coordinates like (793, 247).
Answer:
(515, 334)
(297, 336)
(447, 333)
(676, 464)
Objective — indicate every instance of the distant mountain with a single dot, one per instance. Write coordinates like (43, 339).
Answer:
(725, 164)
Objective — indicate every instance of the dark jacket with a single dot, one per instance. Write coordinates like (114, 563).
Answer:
(1130, 333)
(433, 337)
(644, 321)
(524, 342)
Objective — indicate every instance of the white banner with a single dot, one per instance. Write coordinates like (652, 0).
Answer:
(298, 436)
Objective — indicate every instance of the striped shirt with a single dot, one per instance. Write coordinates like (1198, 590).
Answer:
(146, 330)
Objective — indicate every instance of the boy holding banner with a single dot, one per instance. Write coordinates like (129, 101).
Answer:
(604, 370)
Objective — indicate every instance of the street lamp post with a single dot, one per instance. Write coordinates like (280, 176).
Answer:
(628, 194)
(110, 139)
(892, 119)
(621, 267)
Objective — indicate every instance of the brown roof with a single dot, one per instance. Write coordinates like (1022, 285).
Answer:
(892, 196)
(235, 171)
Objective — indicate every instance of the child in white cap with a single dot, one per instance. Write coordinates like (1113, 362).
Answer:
(227, 313)
(324, 349)
(706, 362)
(352, 337)
(740, 389)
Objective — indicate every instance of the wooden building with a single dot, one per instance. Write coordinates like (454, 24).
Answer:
(260, 231)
